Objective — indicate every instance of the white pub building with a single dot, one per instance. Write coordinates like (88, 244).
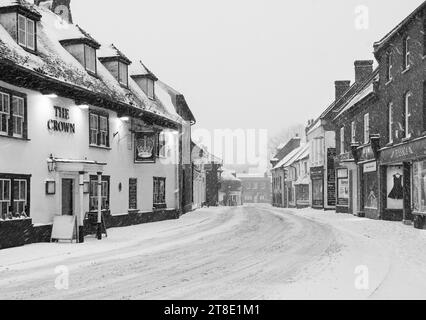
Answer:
(84, 131)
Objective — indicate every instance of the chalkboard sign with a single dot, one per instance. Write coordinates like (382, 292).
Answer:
(133, 194)
(64, 228)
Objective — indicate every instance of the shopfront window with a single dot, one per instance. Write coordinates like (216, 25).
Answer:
(303, 193)
(343, 187)
(395, 190)
(419, 186)
(317, 192)
(371, 191)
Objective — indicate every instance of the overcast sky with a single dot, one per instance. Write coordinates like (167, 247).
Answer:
(245, 63)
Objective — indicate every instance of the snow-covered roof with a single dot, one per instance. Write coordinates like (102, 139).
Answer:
(54, 62)
(22, 3)
(365, 90)
(111, 51)
(287, 160)
(228, 175)
(139, 69)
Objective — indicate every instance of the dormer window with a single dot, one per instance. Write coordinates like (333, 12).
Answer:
(26, 32)
(83, 49)
(123, 73)
(116, 63)
(90, 58)
(150, 88)
(145, 79)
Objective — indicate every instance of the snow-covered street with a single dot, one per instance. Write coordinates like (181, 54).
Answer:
(252, 252)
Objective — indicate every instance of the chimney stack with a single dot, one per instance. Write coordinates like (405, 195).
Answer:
(61, 7)
(363, 69)
(341, 88)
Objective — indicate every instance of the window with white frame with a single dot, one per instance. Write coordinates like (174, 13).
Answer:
(407, 115)
(19, 196)
(342, 140)
(103, 130)
(5, 198)
(151, 88)
(366, 128)
(93, 193)
(123, 73)
(353, 132)
(18, 111)
(390, 122)
(99, 129)
(406, 52)
(389, 66)
(90, 58)
(162, 145)
(4, 113)
(26, 32)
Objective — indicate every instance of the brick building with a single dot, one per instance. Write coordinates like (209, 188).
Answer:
(401, 56)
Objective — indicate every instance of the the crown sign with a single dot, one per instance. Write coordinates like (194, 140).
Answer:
(145, 147)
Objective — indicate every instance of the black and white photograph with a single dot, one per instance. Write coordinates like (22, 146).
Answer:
(188, 151)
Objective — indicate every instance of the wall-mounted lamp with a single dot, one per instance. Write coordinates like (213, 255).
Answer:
(83, 106)
(124, 118)
(51, 164)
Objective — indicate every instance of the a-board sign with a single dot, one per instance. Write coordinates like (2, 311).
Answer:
(64, 228)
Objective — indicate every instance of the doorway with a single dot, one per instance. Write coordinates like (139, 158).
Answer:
(67, 197)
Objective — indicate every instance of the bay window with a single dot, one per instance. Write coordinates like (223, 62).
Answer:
(26, 32)
(342, 140)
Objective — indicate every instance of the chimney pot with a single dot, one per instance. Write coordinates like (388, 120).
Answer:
(341, 88)
(61, 7)
(363, 69)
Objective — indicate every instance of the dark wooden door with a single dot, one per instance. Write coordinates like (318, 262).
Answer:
(67, 197)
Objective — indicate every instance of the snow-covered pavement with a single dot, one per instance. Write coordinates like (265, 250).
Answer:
(252, 252)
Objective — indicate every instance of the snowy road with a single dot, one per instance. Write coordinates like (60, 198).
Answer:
(239, 253)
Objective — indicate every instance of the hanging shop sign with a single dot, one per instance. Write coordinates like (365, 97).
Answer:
(317, 173)
(145, 147)
(61, 123)
(407, 152)
(370, 167)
